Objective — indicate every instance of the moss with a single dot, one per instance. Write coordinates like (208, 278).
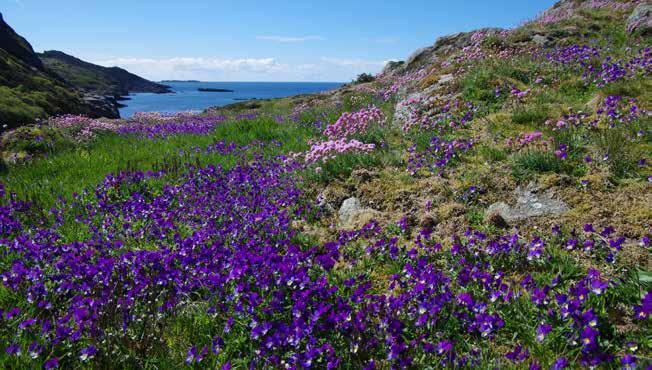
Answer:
(530, 114)
(450, 210)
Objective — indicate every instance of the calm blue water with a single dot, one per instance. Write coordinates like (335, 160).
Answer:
(187, 98)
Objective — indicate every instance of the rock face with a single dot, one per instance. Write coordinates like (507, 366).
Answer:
(402, 110)
(531, 202)
(102, 106)
(540, 40)
(442, 45)
(641, 19)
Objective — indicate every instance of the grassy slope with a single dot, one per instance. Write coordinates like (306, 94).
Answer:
(94, 78)
(27, 94)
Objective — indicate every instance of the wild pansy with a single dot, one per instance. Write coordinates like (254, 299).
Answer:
(156, 125)
(437, 155)
(440, 114)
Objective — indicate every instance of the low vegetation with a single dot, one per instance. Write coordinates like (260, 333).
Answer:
(214, 240)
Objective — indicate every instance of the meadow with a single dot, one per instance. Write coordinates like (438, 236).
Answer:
(214, 240)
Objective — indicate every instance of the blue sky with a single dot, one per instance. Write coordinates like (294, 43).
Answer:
(253, 40)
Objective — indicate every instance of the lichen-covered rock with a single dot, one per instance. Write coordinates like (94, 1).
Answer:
(640, 20)
(403, 109)
(348, 209)
(531, 202)
(329, 199)
(354, 216)
(540, 40)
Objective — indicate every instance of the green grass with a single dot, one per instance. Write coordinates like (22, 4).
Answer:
(526, 165)
(79, 168)
(492, 154)
(530, 115)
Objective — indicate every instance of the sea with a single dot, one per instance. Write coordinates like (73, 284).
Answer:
(187, 97)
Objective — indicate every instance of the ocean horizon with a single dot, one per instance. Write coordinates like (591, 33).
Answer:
(187, 97)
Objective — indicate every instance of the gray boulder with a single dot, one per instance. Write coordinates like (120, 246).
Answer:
(443, 45)
(641, 19)
(531, 202)
(354, 216)
(540, 40)
(348, 209)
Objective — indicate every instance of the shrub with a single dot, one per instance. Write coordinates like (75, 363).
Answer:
(621, 155)
(533, 162)
(492, 154)
(33, 140)
(364, 78)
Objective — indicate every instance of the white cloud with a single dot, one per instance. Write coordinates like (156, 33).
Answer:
(196, 68)
(245, 69)
(290, 39)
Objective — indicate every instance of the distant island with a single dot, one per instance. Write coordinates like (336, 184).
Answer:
(168, 81)
(209, 89)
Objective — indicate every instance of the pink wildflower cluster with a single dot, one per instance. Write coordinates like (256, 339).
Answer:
(81, 128)
(532, 139)
(326, 150)
(475, 51)
(350, 124)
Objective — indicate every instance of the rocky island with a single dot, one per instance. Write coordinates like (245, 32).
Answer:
(209, 89)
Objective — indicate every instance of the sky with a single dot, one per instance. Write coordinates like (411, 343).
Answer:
(253, 40)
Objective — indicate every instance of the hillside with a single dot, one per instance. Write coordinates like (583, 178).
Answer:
(484, 204)
(97, 79)
(27, 90)
(36, 86)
